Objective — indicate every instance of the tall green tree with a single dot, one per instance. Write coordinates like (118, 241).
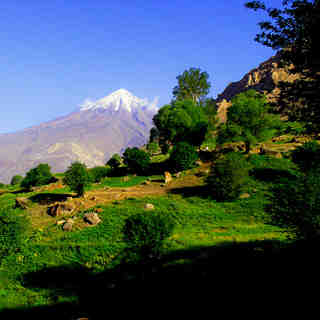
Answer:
(248, 120)
(77, 177)
(192, 84)
(38, 176)
(294, 29)
(181, 121)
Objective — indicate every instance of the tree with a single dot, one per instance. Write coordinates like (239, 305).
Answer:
(183, 156)
(152, 147)
(248, 120)
(77, 178)
(16, 179)
(294, 29)
(38, 176)
(192, 84)
(136, 160)
(181, 121)
(228, 177)
(115, 161)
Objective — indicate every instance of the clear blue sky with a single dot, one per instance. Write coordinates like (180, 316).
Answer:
(56, 53)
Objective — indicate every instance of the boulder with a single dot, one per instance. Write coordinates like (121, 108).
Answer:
(149, 206)
(22, 203)
(67, 226)
(244, 196)
(92, 218)
(59, 209)
(167, 177)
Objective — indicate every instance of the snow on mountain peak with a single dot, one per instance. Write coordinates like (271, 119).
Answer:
(119, 99)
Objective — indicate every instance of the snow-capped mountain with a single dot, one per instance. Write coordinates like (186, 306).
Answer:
(91, 135)
(120, 99)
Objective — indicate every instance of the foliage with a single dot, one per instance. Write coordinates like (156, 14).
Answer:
(192, 84)
(248, 120)
(77, 178)
(154, 135)
(295, 30)
(181, 121)
(307, 156)
(96, 174)
(153, 148)
(296, 205)
(291, 127)
(115, 161)
(38, 176)
(228, 177)
(183, 156)
(147, 231)
(210, 108)
(16, 179)
(137, 160)
(13, 229)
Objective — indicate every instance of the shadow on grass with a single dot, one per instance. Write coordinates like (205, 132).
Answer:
(271, 175)
(201, 191)
(224, 269)
(49, 198)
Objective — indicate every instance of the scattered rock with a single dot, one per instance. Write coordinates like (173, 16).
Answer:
(198, 163)
(93, 198)
(177, 175)
(167, 177)
(244, 196)
(98, 210)
(58, 223)
(67, 226)
(149, 206)
(22, 203)
(92, 218)
(125, 179)
(59, 209)
(145, 183)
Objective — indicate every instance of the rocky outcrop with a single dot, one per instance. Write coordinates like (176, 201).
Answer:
(264, 79)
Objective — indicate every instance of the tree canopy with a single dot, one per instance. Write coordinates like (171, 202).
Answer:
(248, 120)
(181, 121)
(192, 84)
(38, 176)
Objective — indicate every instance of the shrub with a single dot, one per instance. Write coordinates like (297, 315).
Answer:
(77, 177)
(137, 160)
(115, 161)
(146, 231)
(96, 174)
(38, 176)
(13, 229)
(153, 147)
(183, 156)
(307, 156)
(296, 205)
(16, 180)
(228, 176)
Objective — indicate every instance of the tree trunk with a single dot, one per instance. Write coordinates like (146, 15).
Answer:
(247, 145)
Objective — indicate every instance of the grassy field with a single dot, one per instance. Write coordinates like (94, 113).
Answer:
(211, 241)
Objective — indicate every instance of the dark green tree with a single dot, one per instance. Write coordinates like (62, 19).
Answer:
(294, 29)
(152, 148)
(248, 120)
(181, 121)
(16, 179)
(96, 174)
(115, 161)
(228, 177)
(137, 160)
(38, 176)
(77, 178)
(192, 84)
(183, 156)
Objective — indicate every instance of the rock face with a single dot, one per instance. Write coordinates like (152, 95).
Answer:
(92, 218)
(265, 79)
(90, 135)
(59, 209)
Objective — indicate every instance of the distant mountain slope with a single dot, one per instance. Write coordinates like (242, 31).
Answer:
(90, 135)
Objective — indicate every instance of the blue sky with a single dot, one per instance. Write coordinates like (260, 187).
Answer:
(55, 54)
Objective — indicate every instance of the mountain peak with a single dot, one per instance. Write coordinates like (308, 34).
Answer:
(119, 99)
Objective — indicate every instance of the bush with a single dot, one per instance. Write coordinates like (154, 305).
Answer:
(228, 176)
(183, 156)
(13, 229)
(146, 231)
(16, 180)
(77, 177)
(38, 176)
(296, 205)
(114, 162)
(307, 156)
(137, 160)
(96, 174)
(153, 147)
